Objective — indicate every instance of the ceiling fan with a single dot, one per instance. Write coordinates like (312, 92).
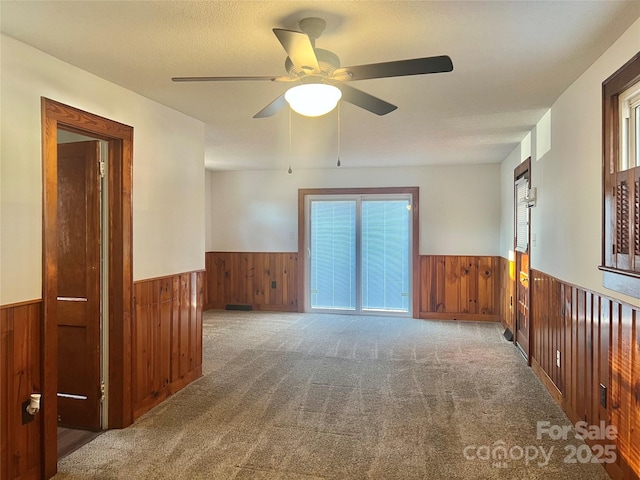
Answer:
(308, 65)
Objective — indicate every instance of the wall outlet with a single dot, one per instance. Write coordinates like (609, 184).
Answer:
(603, 396)
(273, 284)
(558, 358)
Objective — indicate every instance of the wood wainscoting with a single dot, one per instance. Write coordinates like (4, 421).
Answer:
(598, 340)
(266, 281)
(451, 287)
(166, 337)
(20, 370)
(507, 293)
(460, 287)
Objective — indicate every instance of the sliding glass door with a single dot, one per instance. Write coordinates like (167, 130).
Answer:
(333, 254)
(358, 253)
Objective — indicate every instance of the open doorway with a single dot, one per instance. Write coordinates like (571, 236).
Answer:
(74, 301)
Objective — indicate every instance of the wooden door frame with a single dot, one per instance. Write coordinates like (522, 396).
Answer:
(120, 178)
(519, 171)
(415, 238)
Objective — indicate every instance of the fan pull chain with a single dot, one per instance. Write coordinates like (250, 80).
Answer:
(339, 133)
(290, 171)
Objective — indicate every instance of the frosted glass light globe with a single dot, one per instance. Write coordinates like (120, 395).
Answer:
(313, 99)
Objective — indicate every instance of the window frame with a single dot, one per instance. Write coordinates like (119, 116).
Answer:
(630, 101)
(621, 272)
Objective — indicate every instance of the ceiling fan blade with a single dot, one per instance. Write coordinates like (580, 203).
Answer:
(365, 100)
(399, 68)
(231, 79)
(299, 48)
(273, 108)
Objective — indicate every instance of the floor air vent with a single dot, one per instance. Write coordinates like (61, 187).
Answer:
(234, 306)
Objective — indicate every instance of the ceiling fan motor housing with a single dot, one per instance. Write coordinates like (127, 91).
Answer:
(327, 60)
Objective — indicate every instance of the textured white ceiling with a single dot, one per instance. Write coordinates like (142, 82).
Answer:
(511, 59)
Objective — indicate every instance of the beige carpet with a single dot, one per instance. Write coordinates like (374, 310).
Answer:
(310, 396)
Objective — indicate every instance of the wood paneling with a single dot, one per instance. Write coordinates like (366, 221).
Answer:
(20, 363)
(507, 293)
(599, 343)
(460, 287)
(266, 281)
(166, 337)
(166, 353)
(451, 287)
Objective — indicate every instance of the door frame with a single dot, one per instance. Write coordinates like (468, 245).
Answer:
(523, 169)
(120, 281)
(415, 236)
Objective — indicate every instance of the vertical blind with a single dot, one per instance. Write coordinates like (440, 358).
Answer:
(385, 255)
(333, 254)
(360, 254)
(522, 215)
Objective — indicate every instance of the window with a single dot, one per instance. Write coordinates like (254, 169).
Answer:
(629, 113)
(621, 179)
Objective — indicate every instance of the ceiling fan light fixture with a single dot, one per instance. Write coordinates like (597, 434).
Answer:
(313, 99)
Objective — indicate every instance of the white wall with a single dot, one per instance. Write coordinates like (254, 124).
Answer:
(506, 200)
(257, 211)
(168, 170)
(567, 221)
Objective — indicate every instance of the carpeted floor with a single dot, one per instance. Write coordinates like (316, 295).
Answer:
(310, 396)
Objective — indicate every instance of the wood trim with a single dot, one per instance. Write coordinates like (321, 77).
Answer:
(9, 306)
(623, 78)
(415, 261)
(415, 225)
(49, 294)
(467, 317)
(164, 277)
(523, 170)
(614, 277)
(120, 175)
(553, 390)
